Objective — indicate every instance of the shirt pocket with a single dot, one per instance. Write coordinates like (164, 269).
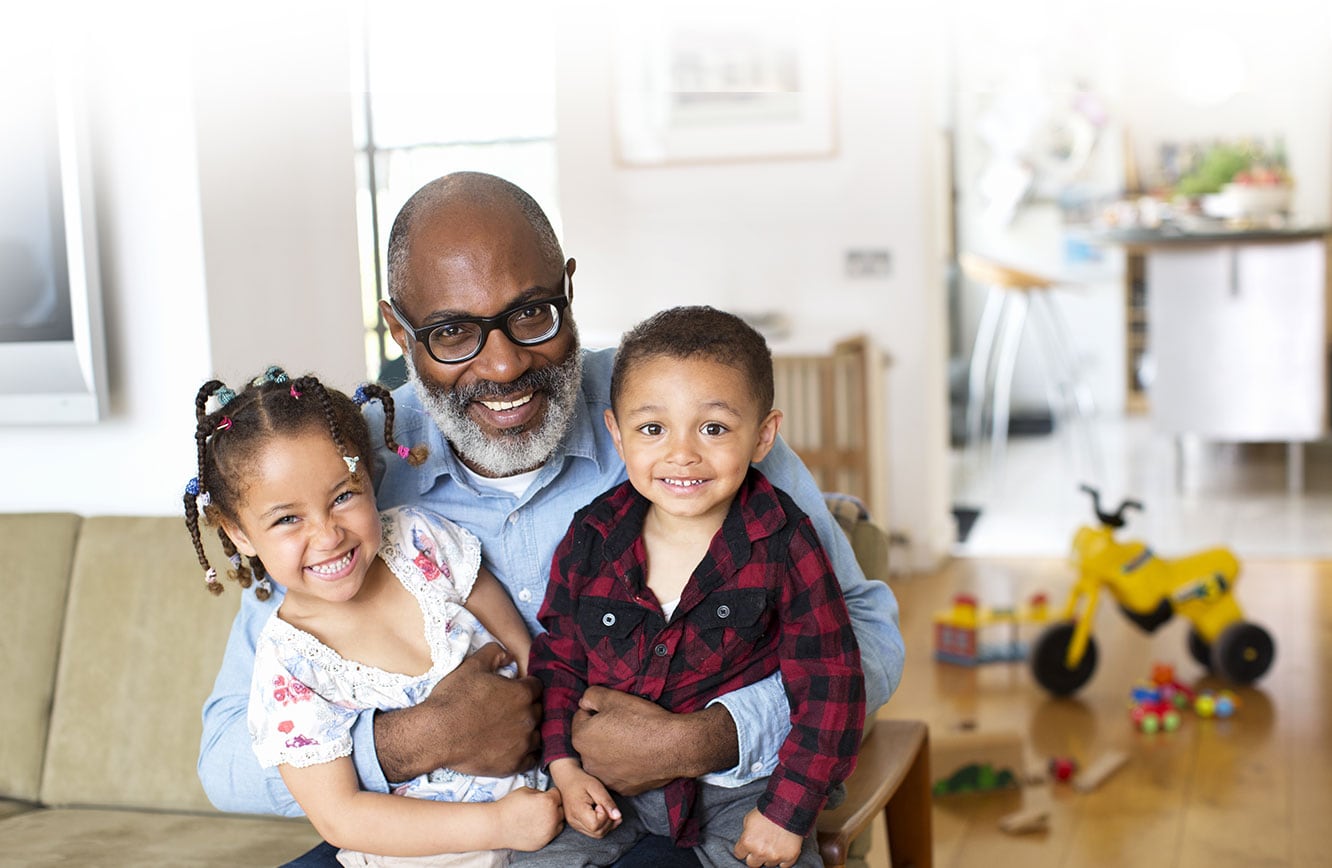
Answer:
(745, 612)
(610, 630)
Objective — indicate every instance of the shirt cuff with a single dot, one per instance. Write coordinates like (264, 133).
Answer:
(364, 755)
(762, 718)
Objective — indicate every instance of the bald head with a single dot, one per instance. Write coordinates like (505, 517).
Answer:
(464, 196)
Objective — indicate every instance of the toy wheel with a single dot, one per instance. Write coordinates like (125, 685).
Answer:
(1199, 650)
(1242, 652)
(1047, 660)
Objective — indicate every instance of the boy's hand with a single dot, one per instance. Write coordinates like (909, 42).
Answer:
(531, 818)
(763, 842)
(588, 806)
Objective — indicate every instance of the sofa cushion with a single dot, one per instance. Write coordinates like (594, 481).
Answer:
(97, 837)
(142, 643)
(35, 555)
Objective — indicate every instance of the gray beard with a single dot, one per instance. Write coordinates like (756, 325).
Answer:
(516, 449)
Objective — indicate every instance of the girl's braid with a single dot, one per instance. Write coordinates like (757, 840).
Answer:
(373, 391)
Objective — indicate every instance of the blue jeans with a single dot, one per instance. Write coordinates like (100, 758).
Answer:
(654, 851)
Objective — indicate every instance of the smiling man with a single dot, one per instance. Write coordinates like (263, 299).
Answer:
(511, 407)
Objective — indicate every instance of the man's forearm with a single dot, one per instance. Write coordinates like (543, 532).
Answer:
(705, 742)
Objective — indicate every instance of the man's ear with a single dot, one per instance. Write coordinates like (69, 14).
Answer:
(243, 544)
(399, 334)
(614, 428)
(569, 268)
(767, 435)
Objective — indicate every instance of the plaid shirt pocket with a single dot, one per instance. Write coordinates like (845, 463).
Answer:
(609, 630)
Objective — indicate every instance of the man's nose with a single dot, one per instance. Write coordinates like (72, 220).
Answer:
(500, 359)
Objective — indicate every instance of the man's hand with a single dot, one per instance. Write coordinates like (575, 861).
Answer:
(763, 842)
(633, 745)
(475, 721)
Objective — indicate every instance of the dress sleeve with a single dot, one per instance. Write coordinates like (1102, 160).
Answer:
(442, 555)
(289, 722)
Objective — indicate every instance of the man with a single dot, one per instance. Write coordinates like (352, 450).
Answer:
(511, 408)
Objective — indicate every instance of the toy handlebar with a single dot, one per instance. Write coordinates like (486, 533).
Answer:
(1110, 519)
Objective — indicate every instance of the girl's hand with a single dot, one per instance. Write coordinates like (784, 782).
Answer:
(763, 842)
(588, 805)
(530, 818)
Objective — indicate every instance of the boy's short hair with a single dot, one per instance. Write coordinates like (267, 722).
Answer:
(698, 331)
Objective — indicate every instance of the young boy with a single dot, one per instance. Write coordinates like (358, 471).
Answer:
(690, 580)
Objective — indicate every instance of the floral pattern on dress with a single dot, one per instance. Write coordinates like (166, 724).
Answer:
(306, 696)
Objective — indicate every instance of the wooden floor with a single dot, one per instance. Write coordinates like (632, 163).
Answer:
(1254, 790)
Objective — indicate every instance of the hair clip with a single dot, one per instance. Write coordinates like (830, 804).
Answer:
(210, 576)
(273, 374)
(352, 461)
(294, 393)
(192, 487)
(360, 396)
(224, 397)
(235, 560)
(403, 452)
(225, 424)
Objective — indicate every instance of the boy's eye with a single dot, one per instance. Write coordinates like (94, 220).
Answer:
(714, 429)
(651, 429)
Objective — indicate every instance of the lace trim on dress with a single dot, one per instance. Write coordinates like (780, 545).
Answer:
(305, 757)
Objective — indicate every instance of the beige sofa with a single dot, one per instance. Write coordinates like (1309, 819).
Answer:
(110, 646)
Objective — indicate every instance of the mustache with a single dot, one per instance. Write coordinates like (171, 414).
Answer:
(535, 380)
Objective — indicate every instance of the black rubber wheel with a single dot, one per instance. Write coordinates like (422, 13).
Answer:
(1047, 660)
(1199, 650)
(1242, 653)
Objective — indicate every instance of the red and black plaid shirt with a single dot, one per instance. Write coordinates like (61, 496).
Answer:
(763, 598)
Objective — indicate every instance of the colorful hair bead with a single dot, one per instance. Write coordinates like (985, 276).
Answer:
(360, 396)
(224, 397)
(263, 585)
(235, 560)
(205, 500)
(403, 452)
(192, 487)
(294, 393)
(352, 461)
(210, 576)
(225, 424)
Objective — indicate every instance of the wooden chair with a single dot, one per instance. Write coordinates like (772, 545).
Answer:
(892, 777)
(834, 418)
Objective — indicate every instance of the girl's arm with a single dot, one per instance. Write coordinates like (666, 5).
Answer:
(387, 825)
(491, 605)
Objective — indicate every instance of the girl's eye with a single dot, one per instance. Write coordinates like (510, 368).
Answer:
(286, 519)
(651, 429)
(714, 429)
(344, 497)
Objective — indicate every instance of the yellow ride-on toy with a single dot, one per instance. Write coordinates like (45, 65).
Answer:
(1149, 590)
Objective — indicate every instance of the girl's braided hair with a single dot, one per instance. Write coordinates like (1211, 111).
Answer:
(241, 424)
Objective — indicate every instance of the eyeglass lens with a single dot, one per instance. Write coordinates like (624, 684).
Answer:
(528, 325)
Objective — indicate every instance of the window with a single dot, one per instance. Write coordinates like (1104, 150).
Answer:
(445, 88)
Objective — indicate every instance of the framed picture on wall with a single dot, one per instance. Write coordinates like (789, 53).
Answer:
(722, 86)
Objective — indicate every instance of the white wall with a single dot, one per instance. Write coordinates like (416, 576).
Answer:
(179, 236)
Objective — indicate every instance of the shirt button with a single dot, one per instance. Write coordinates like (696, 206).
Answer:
(513, 518)
(723, 611)
(661, 650)
(756, 767)
(525, 595)
(608, 619)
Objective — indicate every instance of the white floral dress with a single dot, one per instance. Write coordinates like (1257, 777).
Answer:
(305, 696)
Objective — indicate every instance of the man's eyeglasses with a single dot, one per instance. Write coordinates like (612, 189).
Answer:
(527, 324)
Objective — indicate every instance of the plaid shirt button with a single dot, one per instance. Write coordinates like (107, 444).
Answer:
(608, 619)
(723, 611)
(661, 650)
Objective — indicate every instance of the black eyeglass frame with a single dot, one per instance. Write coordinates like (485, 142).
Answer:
(488, 324)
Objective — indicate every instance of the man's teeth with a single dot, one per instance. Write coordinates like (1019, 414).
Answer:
(683, 483)
(505, 405)
(331, 567)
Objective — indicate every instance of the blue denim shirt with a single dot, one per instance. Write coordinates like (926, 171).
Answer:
(518, 539)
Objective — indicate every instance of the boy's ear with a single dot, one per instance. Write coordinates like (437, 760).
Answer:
(767, 435)
(243, 544)
(614, 428)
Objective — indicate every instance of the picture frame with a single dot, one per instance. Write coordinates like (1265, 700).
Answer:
(696, 89)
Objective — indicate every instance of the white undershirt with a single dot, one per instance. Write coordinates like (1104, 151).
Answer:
(516, 485)
(668, 609)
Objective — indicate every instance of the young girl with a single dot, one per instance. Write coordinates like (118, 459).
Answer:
(377, 608)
